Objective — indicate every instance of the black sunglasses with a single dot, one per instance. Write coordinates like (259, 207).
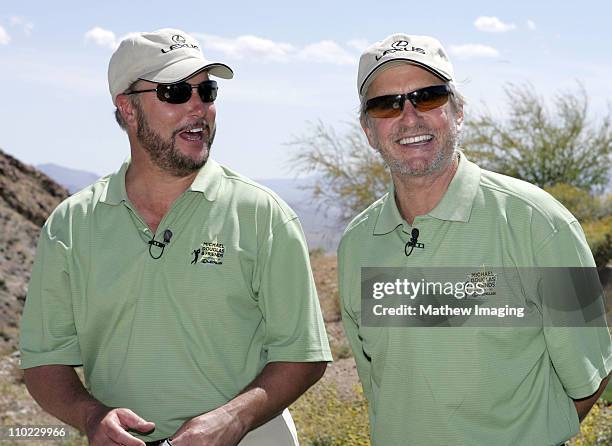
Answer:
(180, 92)
(423, 99)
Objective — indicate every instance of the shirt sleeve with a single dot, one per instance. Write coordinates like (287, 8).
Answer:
(48, 332)
(288, 299)
(581, 355)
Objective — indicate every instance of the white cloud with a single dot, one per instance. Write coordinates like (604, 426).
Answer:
(25, 25)
(4, 37)
(257, 48)
(474, 51)
(247, 46)
(492, 25)
(326, 51)
(358, 44)
(531, 25)
(102, 37)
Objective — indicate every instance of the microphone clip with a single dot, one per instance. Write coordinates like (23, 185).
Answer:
(162, 245)
(413, 242)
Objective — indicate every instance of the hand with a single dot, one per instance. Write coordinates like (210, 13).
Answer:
(107, 426)
(218, 427)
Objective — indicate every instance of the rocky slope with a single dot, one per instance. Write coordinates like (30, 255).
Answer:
(27, 196)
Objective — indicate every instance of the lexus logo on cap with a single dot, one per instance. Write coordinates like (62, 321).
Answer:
(400, 44)
(179, 42)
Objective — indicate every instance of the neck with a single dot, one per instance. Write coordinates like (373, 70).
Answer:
(418, 195)
(152, 190)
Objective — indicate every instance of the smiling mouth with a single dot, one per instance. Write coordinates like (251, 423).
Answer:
(194, 134)
(420, 139)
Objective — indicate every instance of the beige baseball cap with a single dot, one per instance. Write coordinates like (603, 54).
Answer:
(398, 48)
(163, 56)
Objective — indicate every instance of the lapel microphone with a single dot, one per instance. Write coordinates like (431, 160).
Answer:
(413, 242)
(167, 236)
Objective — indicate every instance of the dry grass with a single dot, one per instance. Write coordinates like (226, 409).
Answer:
(325, 417)
(596, 429)
(17, 408)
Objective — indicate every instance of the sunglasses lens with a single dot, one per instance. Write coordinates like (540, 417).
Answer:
(181, 92)
(423, 100)
(208, 91)
(384, 106)
(174, 93)
(429, 98)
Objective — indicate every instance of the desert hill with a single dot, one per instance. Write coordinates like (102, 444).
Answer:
(27, 196)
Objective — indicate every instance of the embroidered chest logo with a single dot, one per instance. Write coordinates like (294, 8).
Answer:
(208, 253)
(487, 278)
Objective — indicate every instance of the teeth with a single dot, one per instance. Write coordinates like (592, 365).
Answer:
(415, 139)
(197, 130)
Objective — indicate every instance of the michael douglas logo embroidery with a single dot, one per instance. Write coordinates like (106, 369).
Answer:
(209, 253)
(487, 278)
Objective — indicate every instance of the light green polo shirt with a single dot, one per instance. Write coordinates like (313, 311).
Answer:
(471, 386)
(176, 336)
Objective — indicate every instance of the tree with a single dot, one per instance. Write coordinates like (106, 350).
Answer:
(349, 175)
(541, 146)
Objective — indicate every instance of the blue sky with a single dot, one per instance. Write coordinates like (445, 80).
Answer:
(295, 62)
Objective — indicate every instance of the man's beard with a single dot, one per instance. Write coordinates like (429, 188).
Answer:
(163, 153)
(448, 144)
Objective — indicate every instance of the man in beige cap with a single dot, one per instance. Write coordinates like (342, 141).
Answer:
(182, 288)
(440, 370)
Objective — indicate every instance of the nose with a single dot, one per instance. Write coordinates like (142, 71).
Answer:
(197, 107)
(409, 113)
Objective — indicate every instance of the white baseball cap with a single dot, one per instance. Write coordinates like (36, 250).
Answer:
(423, 51)
(164, 56)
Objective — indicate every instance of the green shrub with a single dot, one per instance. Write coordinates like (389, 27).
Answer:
(595, 215)
(579, 202)
(599, 237)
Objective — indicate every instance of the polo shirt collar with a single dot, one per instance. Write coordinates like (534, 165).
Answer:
(114, 192)
(207, 181)
(389, 217)
(455, 205)
(457, 202)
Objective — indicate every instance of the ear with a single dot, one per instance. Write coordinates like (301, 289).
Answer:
(459, 117)
(367, 130)
(127, 110)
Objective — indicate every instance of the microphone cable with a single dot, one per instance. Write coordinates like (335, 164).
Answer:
(167, 236)
(414, 236)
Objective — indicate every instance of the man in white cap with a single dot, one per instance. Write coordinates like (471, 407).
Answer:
(433, 374)
(182, 288)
